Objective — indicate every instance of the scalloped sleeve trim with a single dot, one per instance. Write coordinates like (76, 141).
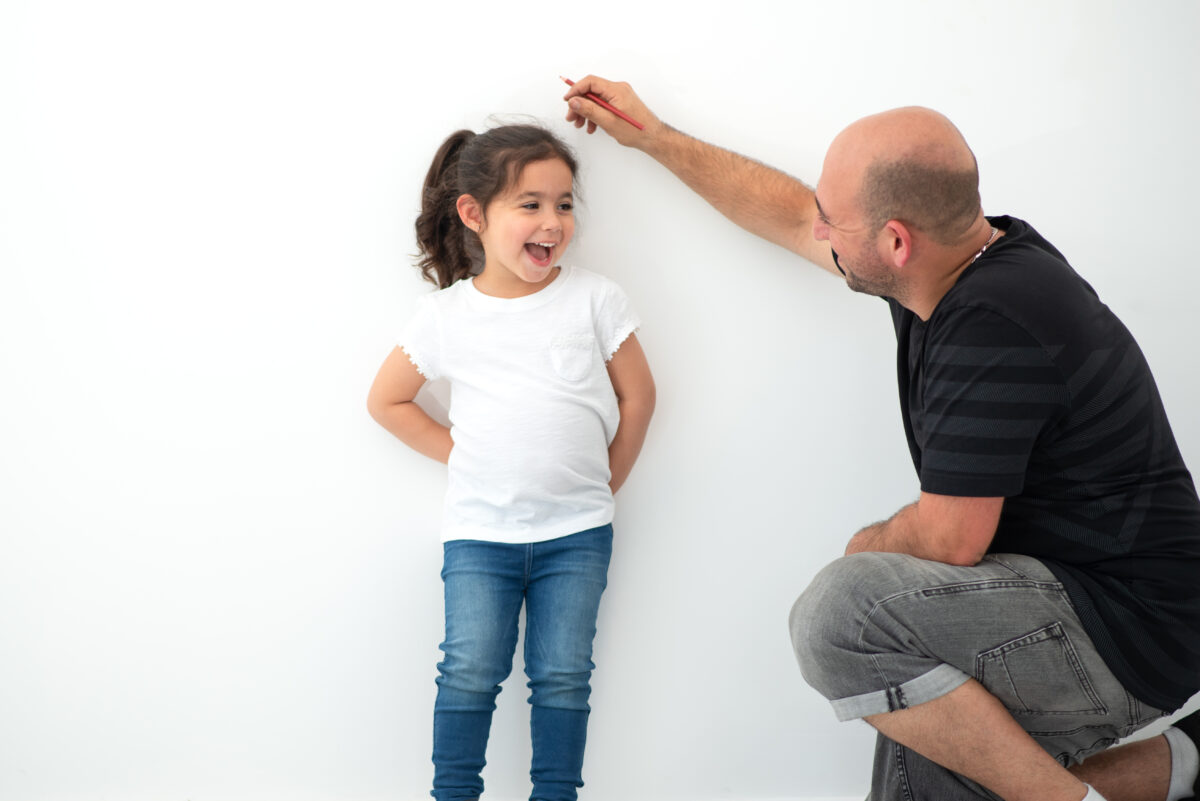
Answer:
(614, 343)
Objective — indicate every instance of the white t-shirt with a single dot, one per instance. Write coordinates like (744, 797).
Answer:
(532, 409)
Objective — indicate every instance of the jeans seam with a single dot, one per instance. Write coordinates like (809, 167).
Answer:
(990, 584)
(902, 771)
(887, 685)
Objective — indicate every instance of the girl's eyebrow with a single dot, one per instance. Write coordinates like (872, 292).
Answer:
(533, 194)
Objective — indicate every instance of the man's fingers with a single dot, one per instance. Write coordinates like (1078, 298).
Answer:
(617, 95)
(584, 110)
(597, 86)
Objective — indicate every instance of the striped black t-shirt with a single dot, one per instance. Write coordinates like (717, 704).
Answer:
(1023, 384)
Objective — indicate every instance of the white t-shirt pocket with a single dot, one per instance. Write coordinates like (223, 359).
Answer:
(572, 354)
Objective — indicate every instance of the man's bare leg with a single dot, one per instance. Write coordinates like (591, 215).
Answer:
(1138, 771)
(969, 731)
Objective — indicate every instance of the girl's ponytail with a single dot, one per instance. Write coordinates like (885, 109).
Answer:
(445, 255)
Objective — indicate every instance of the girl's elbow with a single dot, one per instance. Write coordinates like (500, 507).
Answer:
(642, 406)
(641, 397)
(649, 394)
(378, 407)
(373, 406)
(650, 398)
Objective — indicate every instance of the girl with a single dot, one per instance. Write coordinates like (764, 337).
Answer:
(550, 399)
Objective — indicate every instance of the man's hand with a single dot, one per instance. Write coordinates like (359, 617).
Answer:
(941, 528)
(581, 110)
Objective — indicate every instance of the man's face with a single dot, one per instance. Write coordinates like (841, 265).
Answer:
(854, 247)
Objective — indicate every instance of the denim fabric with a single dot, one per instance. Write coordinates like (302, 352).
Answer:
(560, 582)
(877, 632)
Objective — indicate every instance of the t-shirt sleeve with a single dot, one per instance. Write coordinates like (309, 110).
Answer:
(421, 340)
(615, 319)
(990, 391)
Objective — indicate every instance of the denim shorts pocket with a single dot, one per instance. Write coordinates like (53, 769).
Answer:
(1039, 673)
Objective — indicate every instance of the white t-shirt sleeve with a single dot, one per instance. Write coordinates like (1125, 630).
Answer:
(615, 320)
(421, 340)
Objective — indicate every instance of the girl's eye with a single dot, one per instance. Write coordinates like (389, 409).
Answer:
(565, 206)
(530, 206)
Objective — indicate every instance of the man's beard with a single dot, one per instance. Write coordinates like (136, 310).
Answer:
(886, 286)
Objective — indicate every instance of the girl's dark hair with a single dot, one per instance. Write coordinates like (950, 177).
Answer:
(482, 166)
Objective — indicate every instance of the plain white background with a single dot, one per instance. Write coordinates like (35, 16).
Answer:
(219, 579)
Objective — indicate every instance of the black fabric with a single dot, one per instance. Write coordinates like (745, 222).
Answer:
(1023, 384)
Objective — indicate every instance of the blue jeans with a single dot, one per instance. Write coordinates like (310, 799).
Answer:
(560, 582)
(877, 632)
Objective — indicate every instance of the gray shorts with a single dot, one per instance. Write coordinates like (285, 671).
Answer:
(877, 632)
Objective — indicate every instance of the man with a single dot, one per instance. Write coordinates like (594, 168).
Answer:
(1039, 600)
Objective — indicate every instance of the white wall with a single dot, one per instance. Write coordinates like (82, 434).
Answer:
(218, 577)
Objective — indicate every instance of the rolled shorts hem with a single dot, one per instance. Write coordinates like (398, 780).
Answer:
(926, 687)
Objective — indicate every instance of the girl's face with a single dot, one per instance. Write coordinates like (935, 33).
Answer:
(526, 230)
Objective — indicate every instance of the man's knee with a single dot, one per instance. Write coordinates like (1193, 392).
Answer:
(827, 619)
(820, 619)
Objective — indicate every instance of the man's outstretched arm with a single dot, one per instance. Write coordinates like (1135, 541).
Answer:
(765, 201)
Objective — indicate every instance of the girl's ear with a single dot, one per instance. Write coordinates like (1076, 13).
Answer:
(470, 212)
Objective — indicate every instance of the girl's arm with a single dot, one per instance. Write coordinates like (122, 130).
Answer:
(390, 402)
(631, 379)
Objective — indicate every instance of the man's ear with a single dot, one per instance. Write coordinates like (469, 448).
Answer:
(470, 212)
(897, 243)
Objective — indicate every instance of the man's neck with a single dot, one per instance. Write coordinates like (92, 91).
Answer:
(954, 262)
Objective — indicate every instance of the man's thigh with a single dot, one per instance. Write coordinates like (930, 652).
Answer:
(878, 632)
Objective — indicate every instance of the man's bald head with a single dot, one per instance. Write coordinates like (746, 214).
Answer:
(912, 165)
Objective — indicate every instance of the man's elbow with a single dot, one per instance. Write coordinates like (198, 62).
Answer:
(958, 550)
(965, 558)
(964, 553)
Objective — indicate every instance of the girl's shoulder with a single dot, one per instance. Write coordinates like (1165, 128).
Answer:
(585, 279)
(447, 296)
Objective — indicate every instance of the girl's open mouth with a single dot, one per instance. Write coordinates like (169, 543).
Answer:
(540, 252)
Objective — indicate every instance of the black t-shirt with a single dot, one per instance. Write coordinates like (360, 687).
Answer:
(1023, 384)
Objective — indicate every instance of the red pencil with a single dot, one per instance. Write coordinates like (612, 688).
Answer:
(595, 99)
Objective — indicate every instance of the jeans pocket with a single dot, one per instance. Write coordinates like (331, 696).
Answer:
(1039, 673)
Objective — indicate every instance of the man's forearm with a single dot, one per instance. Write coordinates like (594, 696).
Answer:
(941, 528)
(763, 200)
(897, 534)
